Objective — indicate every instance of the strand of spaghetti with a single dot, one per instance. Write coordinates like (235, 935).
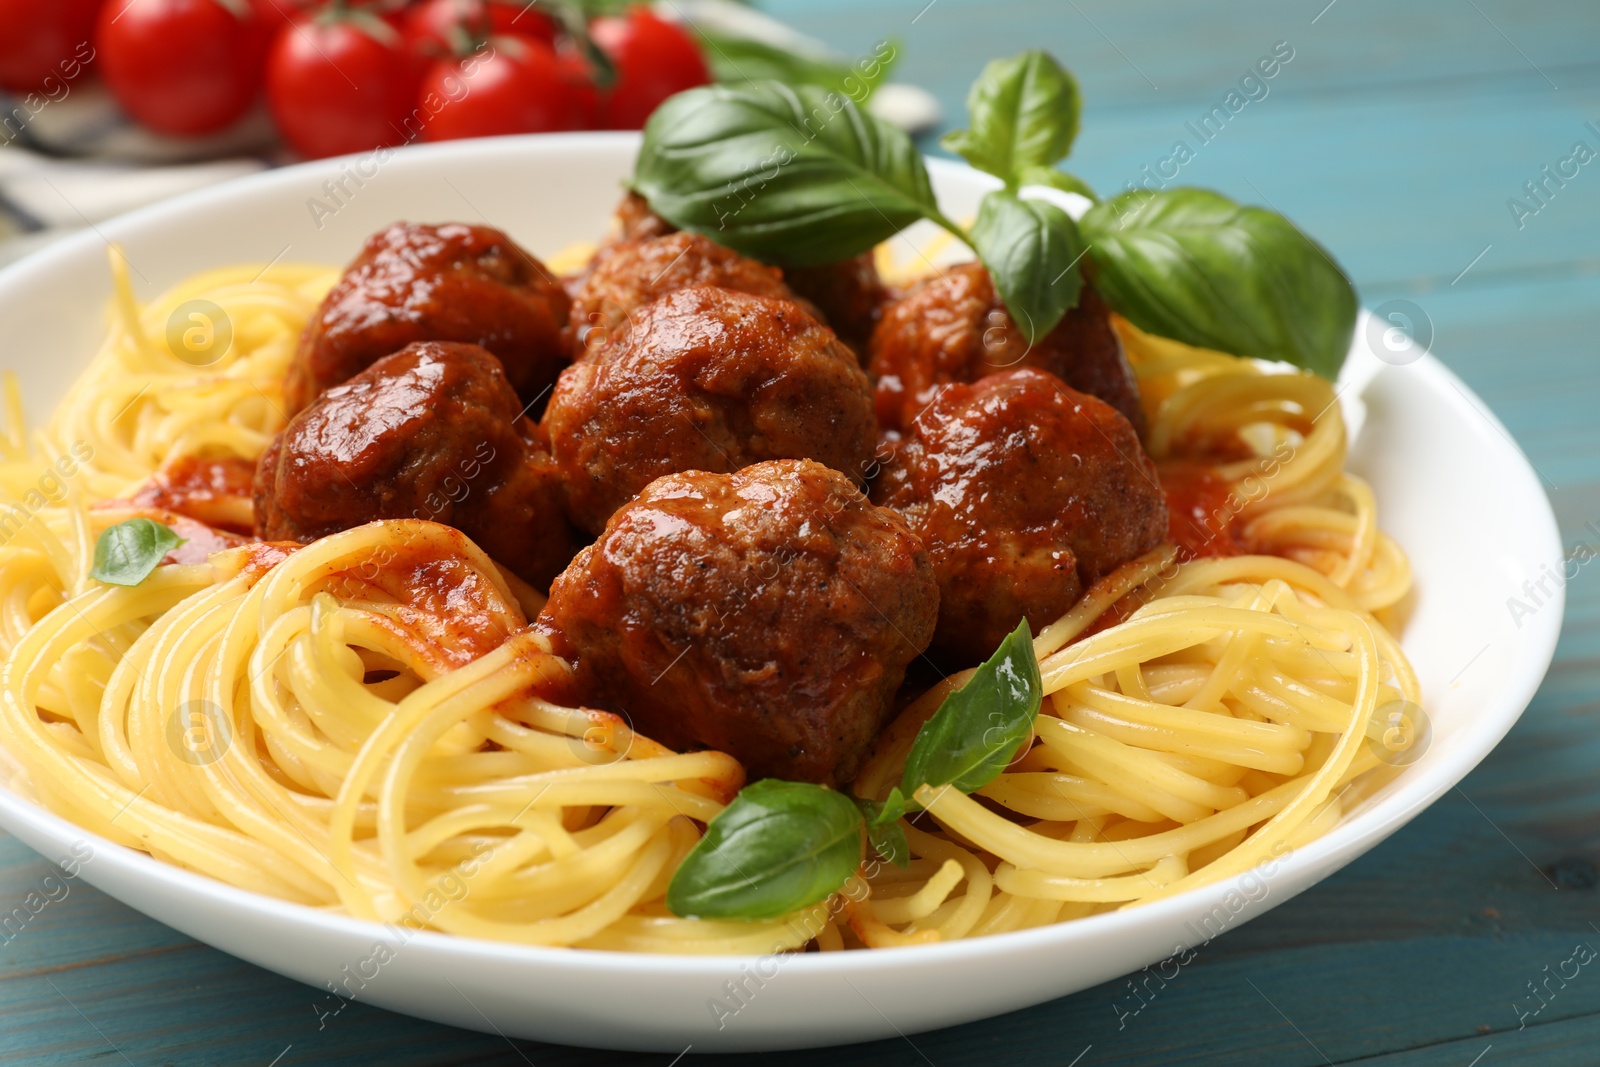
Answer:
(562, 884)
(189, 841)
(1279, 829)
(292, 822)
(1267, 746)
(1146, 637)
(962, 815)
(923, 902)
(970, 906)
(479, 684)
(1034, 883)
(619, 896)
(1104, 593)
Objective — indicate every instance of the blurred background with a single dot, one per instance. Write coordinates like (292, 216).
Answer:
(106, 105)
(1440, 149)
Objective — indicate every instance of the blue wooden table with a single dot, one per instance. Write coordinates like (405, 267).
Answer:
(1397, 134)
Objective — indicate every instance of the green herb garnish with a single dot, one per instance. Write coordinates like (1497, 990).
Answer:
(885, 836)
(126, 553)
(781, 846)
(735, 60)
(1192, 265)
(777, 848)
(802, 176)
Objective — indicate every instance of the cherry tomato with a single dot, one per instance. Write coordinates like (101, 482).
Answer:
(512, 85)
(181, 66)
(340, 81)
(439, 28)
(581, 91)
(521, 19)
(654, 60)
(43, 39)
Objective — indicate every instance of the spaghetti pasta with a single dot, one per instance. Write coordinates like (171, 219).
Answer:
(305, 723)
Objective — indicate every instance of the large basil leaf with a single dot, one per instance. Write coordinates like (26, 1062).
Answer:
(778, 847)
(796, 175)
(1031, 250)
(979, 727)
(1023, 112)
(126, 553)
(1194, 266)
(734, 60)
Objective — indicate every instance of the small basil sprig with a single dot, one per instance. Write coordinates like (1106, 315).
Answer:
(126, 553)
(803, 176)
(777, 848)
(977, 730)
(1024, 117)
(782, 846)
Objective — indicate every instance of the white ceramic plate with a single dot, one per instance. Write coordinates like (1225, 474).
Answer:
(1451, 486)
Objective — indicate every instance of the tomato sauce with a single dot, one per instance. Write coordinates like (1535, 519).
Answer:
(217, 492)
(1201, 508)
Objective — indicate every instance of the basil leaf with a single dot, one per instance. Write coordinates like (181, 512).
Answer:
(1194, 266)
(885, 836)
(734, 60)
(1023, 112)
(799, 176)
(1031, 249)
(1056, 179)
(126, 553)
(979, 727)
(778, 847)
(893, 806)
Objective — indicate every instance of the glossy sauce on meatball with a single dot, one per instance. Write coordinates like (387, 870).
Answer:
(706, 379)
(953, 328)
(431, 432)
(850, 295)
(1025, 492)
(768, 613)
(451, 282)
(636, 273)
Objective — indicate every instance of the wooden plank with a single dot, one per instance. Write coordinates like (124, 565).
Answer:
(1190, 50)
(48, 920)
(1569, 1043)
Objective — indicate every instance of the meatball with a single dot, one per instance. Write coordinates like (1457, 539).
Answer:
(636, 221)
(849, 294)
(1025, 492)
(632, 275)
(706, 379)
(452, 282)
(769, 613)
(433, 431)
(953, 328)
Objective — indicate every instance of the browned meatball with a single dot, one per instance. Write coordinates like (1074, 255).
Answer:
(850, 295)
(636, 221)
(632, 275)
(431, 432)
(768, 613)
(953, 328)
(452, 282)
(1025, 492)
(706, 379)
